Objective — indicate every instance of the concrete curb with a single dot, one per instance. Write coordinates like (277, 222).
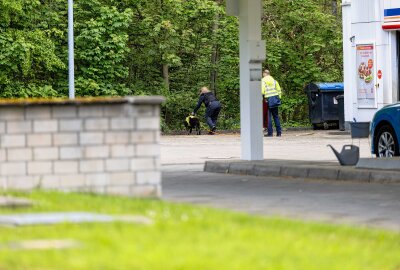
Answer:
(303, 169)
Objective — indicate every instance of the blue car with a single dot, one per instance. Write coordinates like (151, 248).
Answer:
(385, 131)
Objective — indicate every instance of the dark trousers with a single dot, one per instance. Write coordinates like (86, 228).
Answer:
(273, 113)
(265, 114)
(212, 112)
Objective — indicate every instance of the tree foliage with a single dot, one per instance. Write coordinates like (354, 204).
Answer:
(304, 44)
(164, 47)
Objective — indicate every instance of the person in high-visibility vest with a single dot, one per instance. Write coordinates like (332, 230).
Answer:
(271, 88)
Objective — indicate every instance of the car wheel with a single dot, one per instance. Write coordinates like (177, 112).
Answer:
(386, 144)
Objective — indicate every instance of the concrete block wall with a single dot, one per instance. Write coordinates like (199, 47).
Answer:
(108, 146)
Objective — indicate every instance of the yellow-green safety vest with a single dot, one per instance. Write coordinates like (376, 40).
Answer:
(270, 87)
(188, 118)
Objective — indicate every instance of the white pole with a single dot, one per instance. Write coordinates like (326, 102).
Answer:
(71, 64)
(347, 60)
(250, 84)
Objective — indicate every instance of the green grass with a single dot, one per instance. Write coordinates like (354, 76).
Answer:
(187, 237)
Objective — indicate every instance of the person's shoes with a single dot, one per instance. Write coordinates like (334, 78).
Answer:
(278, 135)
(268, 135)
(214, 128)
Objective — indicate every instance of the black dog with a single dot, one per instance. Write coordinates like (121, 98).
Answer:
(192, 122)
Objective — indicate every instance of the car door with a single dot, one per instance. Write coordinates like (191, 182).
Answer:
(396, 120)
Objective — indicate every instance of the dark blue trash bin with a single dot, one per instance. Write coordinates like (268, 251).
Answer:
(323, 105)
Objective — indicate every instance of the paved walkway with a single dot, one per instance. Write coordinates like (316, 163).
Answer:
(306, 145)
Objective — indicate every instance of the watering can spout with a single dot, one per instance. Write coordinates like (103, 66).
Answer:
(337, 154)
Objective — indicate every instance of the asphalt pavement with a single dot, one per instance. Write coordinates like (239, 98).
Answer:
(355, 203)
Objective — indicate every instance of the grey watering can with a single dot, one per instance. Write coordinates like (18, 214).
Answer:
(349, 155)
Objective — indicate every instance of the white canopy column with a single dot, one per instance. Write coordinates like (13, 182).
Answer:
(252, 54)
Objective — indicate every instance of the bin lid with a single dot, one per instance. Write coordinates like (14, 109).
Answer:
(336, 86)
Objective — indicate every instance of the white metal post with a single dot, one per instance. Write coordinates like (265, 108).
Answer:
(250, 79)
(347, 63)
(71, 64)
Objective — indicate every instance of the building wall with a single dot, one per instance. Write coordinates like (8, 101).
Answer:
(362, 22)
(102, 148)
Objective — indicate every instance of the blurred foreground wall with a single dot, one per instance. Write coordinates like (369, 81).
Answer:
(100, 145)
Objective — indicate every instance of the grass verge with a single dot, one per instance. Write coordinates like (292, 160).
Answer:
(188, 237)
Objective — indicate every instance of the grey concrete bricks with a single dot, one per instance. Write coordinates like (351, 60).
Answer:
(3, 155)
(12, 113)
(91, 166)
(12, 141)
(12, 168)
(37, 112)
(2, 128)
(148, 177)
(96, 124)
(117, 111)
(39, 140)
(45, 153)
(49, 181)
(148, 123)
(17, 127)
(90, 111)
(40, 168)
(70, 125)
(82, 146)
(117, 165)
(72, 181)
(64, 139)
(123, 178)
(60, 112)
(98, 179)
(66, 167)
(45, 126)
(121, 151)
(122, 137)
(143, 164)
(71, 152)
(142, 137)
(19, 154)
(122, 123)
(144, 111)
(91, 138)
(22, 182)
(102, 151)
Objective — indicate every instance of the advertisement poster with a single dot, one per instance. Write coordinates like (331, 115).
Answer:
(366, 94)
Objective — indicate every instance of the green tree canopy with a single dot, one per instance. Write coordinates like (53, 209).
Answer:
(165, 47)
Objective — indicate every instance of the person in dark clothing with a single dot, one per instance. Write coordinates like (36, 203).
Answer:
(213, 107)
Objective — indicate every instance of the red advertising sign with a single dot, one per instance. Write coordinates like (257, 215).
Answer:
(379, 74)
